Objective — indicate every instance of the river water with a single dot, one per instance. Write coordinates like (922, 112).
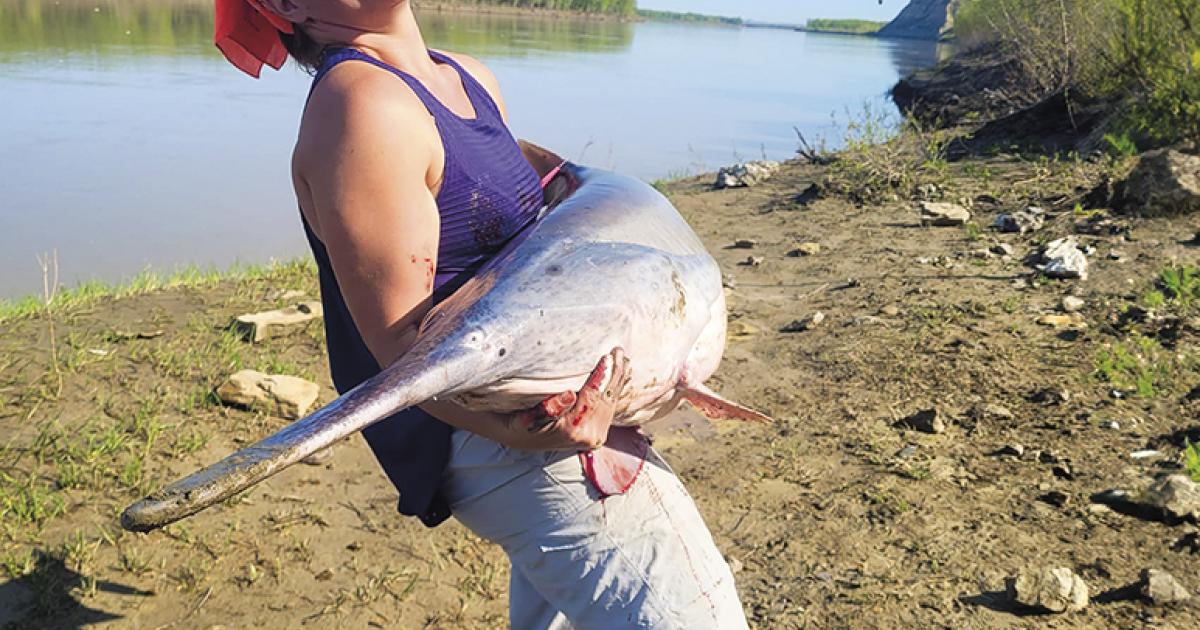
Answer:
(127, 143)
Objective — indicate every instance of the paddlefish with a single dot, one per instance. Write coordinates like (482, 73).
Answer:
(611, 264)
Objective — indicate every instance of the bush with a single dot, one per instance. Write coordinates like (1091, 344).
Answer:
(1143, 52)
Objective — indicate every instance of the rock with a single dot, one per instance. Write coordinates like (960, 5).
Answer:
(746, 174)
(735, 565)
(1177, 496)
(753, 261)
(1072, 304)
(1063, 259)
(992, 412)
(288, 396)
(943, 214)
(1053, 590)
(1012, 450)
(741, 331)
(1144, 454)
(804, 324)
(261, 326)
(744, 243)
(805, 249)
(1055, 498)
(890, 310)
(1164, 182)
(1029, 220)
(926, 421)
(1051, 396)
(1056, 321)
(1002, 249)
(1162, 589)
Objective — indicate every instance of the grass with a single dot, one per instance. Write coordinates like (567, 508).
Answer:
(1139, 365)
(1191, 460)
(101, 398)
(91, 292)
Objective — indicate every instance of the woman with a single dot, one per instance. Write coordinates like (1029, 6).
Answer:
(408, 181)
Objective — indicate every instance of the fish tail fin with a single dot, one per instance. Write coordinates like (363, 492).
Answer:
(716, 407)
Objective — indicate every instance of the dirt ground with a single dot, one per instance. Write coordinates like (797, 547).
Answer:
(837, 516)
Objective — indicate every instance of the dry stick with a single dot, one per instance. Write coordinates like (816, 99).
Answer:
(49, 263)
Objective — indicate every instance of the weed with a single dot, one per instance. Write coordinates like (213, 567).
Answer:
(1153, 299)
(1140, 365)
(1181, 285)
(973, 231)
(1191, 460)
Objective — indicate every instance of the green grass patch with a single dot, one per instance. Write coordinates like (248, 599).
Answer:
(88, 293)
(1139, 365)
(1191, 460)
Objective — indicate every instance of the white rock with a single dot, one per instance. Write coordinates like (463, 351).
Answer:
(1063, 259)
(943, 214)
(1052, 589)
(260, 326)
(1028, 220)
(805, 249)
(1162, 589)
(1177, 496)
(746, 174)
(287, 396)
(1072, 304)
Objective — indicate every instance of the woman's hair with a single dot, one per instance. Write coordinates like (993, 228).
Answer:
(307, 51)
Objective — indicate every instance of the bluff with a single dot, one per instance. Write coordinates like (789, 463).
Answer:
(923, 19)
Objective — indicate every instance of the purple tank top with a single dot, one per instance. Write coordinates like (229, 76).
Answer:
(489, 194)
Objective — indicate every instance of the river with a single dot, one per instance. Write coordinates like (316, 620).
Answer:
(127, 143)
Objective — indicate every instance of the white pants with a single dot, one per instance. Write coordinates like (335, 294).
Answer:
(643, 559)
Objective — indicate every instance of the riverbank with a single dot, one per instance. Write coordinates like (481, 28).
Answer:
(841, 515)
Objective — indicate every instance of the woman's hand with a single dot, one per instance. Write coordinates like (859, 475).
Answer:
(574, 421)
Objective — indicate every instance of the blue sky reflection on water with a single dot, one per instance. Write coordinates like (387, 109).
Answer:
(123, 157)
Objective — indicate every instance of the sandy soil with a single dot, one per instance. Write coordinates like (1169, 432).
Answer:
(836, 516)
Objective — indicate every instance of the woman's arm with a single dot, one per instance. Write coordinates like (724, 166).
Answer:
(368, 196)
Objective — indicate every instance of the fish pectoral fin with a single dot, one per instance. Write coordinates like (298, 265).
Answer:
(714, 407)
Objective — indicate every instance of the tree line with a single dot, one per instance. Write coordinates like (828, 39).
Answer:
(617, 7)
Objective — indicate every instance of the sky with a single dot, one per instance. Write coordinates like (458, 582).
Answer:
(786, 11)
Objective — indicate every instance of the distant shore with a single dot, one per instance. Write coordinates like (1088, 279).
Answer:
(452, 7)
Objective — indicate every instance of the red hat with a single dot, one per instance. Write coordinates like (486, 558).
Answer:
(248, 35)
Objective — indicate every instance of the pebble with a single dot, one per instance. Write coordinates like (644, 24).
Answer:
(1059, 321)
(943, 214)
(890, 310)
(1015, 450)
(1055, 590)
(1003, 249)
(1027, 220)
(1146, 454)
(735, 565)
(805, 249)
(926, 421)
(320, 458)
(753, 261)
(805, 324)
(993, 411)
(1162, 589)
(743, 244)
(1072, 304)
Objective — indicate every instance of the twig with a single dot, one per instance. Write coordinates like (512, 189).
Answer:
(49, 265)
(194, 610)
(807, 151)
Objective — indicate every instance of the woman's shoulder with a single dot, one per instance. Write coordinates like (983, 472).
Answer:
(480, 72)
